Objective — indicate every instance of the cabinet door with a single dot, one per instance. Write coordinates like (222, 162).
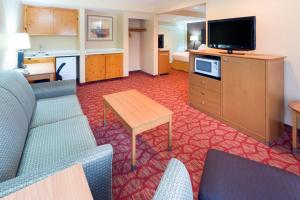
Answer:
(164, 65)
(95, 68)
(244, 93)
(114, 66)
(65, 22)
(38, 20)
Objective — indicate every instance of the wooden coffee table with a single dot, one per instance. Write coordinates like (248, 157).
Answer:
(138, 113)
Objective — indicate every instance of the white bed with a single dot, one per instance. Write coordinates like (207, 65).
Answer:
(181, 56)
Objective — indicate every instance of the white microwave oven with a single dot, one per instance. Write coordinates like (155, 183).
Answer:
(208, 66)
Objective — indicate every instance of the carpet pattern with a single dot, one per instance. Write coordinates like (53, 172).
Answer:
(193, 134)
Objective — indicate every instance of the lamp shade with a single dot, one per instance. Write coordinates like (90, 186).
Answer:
(20, 41)
(194, 38)
(13, 41)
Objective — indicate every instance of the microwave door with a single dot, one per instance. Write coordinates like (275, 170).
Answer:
(204, 67)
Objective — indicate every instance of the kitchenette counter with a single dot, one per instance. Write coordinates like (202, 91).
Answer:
(47, 54)
(103, 51)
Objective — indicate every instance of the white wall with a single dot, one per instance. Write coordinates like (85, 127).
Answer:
(278, 32)
(175, 38)
(10, 22)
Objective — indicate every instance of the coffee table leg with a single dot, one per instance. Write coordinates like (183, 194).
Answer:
(170, 135)
(104, 113)
(294, 134)
(133, 149)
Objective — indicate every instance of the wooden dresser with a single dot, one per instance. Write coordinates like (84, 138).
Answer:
(164, 66)
(249, 96)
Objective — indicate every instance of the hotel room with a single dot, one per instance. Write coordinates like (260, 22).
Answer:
(152, 99)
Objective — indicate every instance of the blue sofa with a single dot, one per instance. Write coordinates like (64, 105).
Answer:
(42, 131)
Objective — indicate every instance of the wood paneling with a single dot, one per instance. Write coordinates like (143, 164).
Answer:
(164, 65)
(95, 68)
(38, 20)
(114, 66)
(50, 21)
(39, 60)
(244, 93)
(65, 22)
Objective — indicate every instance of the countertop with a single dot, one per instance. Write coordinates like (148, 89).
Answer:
(62, 53)
(47, 54)
(103, 51)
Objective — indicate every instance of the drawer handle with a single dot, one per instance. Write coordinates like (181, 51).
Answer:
(202, 93)
(202, 102)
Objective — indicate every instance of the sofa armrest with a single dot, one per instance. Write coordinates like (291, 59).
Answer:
(175, 183)
(96, 163)
(54, 89)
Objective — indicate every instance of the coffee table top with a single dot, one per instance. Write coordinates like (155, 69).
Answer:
(136, 109)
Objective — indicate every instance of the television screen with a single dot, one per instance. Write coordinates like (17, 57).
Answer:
(161, 41)
(232, 34)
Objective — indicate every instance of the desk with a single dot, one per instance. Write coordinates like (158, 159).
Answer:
(295, 106)
(70, 183)
(40, 71)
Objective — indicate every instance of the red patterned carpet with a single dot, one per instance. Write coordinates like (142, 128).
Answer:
(193, 134)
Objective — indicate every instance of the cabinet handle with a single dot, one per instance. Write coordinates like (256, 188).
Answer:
(202, 102)
(202, 93)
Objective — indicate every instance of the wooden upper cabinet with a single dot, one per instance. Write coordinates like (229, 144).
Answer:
(114, 65)
(38, 20)
(65, 22)
(50, 21)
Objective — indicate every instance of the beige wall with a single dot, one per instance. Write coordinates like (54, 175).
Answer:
(278, 32)
(103, 44)
(10, 22)
(54, 43)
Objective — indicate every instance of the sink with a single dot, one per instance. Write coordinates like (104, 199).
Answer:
(37, 54)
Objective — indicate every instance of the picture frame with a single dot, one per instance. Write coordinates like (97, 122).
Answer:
(99, 28)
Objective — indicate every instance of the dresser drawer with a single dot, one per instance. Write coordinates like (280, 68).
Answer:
(206, 83)
(205, 100)
(208, 95)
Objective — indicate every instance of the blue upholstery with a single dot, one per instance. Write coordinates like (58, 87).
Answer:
(97, 165)
(15, 83)
(13, 133)
(54, 89)
(64, 138)
(175, 183)
(59, 136)
(55, 109)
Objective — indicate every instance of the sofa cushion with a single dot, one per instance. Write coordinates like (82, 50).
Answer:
(16, 83)
(55, 109)
(13, 133)
(50, 144)
(227, 176)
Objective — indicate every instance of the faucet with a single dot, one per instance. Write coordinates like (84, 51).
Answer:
(41, 49)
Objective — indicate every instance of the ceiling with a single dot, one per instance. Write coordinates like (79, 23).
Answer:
(152, 6)
(191, 14)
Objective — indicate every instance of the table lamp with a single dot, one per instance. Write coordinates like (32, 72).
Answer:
(194, 38)
(20, 41)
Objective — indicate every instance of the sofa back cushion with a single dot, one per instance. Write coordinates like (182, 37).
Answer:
(16, 83)
(13, 133)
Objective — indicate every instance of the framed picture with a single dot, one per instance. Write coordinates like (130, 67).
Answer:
(99, 28)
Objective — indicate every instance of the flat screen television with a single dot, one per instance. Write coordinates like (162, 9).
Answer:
(161, 42)
(232, 34)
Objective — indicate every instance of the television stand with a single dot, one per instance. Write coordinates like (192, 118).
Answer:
(231, 52)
